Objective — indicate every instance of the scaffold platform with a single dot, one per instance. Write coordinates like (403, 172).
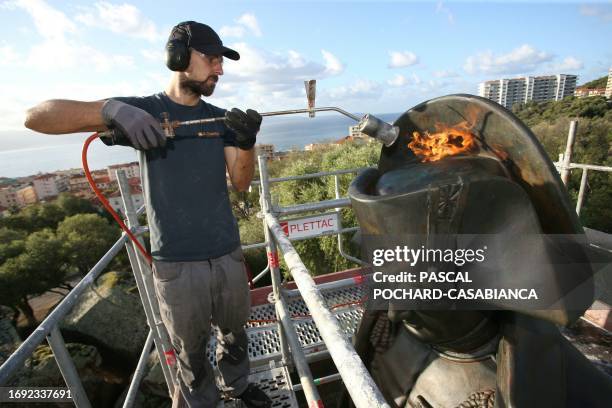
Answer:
(267, 368)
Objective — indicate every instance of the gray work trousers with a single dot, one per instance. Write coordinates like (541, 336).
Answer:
(192, 296)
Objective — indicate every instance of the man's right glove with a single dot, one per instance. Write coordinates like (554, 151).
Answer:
(246, 125)
(138, 126)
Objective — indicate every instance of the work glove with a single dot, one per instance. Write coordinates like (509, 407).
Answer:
(245, 125)
(138, 126)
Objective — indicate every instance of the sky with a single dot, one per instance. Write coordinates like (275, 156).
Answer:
(366, 56)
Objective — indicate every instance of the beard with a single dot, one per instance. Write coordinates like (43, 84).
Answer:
(200, 88)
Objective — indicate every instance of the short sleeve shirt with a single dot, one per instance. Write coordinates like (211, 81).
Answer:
(185, 186)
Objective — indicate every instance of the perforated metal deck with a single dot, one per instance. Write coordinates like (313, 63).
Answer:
(264, 343)
(275, 383)
(264, 348)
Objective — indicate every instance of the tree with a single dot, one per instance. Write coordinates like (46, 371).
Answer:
(86, 238)
(38, 268)
(596, 83)
(34, 217)
(12, 243)
(72, 205)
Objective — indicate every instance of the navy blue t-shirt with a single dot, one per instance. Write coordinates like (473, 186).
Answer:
(185, 188)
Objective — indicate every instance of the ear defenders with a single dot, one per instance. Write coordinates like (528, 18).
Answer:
(177, 47)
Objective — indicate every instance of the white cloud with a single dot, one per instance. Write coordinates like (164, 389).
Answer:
(333, 66)
(245, 22)
(398, 80)
(441, 8)
(121, 19)
(603, 13)
(401, 59)
(57, 50)
(260, 66)
(416, 79)
(362, 88)
(568, 64)
(50, 23)
(295, 59)
(250, 21)
(520, 60)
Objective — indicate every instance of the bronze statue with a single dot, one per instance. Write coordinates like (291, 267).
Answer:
(500, 195)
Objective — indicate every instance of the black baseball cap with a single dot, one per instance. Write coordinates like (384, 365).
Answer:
(202, 38)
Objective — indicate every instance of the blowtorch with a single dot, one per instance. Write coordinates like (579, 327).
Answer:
(368, 124)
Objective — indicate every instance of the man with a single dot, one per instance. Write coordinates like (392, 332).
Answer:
(198, 266)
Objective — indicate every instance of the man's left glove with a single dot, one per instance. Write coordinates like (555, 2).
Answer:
(246, 125)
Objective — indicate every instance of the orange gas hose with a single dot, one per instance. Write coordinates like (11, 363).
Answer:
(105, 202)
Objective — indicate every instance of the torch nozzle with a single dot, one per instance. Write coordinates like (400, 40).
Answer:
(378, 129)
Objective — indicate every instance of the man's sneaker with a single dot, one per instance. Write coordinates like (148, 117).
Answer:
(253, 397)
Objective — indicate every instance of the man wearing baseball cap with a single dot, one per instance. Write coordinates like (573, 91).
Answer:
(198, 266)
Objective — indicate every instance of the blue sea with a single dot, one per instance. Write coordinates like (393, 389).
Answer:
(24, 153)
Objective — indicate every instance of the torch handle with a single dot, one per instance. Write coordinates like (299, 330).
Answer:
(113, 134)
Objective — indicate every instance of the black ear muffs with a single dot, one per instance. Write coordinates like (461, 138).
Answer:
(177, 48)
(177, 55)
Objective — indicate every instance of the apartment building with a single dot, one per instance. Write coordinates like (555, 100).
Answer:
(510, 91)
(26, 195)
(77, 182)
(8, 197)
(489, 89)
(131, 170)
(49, 185)
(356, 134)
(116, 201)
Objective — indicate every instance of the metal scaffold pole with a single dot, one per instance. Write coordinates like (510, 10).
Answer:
(567, 156)
(67, 368)
(272, 253)
(144, 281)
(287, 332)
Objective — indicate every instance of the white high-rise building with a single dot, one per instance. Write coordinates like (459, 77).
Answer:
(609, 85)
(510, 91)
